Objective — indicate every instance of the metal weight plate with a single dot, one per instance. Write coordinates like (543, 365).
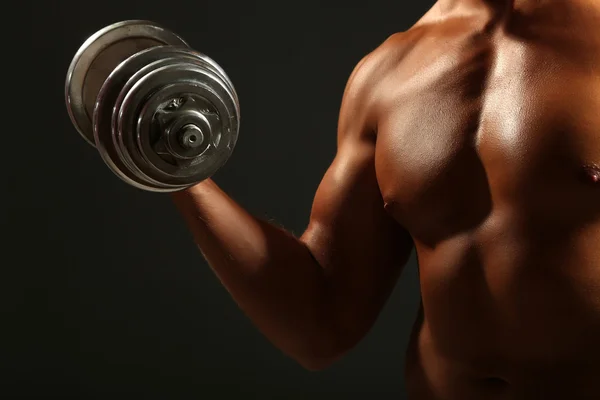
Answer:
(99, 56)
(136, 90)
(210, 101)
(109, 100)
(176, 79)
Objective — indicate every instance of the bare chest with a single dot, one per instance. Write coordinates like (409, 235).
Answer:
(469, 124)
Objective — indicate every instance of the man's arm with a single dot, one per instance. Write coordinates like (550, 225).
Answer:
(314, 297)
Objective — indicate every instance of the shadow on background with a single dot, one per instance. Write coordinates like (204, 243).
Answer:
(109, 298)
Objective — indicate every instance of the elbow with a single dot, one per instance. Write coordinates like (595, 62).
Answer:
(316, 364)
(323, 354)
(330, 345)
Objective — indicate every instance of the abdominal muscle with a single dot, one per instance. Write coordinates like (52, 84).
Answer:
(508, 312)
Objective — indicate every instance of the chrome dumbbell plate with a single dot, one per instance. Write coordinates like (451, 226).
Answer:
(96, 59)
(165, 116)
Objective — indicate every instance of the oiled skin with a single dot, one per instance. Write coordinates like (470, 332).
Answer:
(474, 137)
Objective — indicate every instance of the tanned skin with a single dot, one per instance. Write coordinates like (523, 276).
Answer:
(474, 138)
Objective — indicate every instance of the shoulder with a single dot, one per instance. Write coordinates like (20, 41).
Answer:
(375, 65)
(363, 93)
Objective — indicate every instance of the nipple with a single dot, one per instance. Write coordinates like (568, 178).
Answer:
(592, 173)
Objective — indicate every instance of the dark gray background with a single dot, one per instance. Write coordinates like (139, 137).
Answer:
(107, 295)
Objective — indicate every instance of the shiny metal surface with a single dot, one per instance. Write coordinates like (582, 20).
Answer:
(98, 56)
(163, 117)
(205, 94)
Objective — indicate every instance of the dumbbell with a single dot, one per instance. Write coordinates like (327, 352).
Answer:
(163, 116)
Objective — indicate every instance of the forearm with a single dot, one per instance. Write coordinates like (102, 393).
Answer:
(269, 273)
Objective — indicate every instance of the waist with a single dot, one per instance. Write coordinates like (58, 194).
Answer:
(434, 374)
(507, 294)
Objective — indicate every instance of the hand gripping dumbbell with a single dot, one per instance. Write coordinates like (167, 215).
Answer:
(162, 116)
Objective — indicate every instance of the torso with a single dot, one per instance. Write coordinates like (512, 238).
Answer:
(487, 139)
